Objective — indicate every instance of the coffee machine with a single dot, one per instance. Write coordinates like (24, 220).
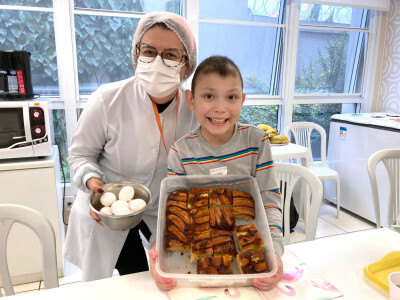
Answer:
(15, 75)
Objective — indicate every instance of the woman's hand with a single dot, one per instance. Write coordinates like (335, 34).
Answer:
(269, 283)
(163, 283)
(94, 184)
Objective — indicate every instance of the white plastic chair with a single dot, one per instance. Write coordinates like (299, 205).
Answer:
(290, 174)
(13, 213)
(391, 160)
(302, 135)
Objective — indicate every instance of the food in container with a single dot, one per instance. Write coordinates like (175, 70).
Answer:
(176, 265)
(126, 193)
(126, 219)
(107, 199)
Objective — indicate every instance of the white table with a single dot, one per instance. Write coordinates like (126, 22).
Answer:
(339, 259)
(290, 151)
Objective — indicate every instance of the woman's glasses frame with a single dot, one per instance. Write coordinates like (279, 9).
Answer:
(171, 57)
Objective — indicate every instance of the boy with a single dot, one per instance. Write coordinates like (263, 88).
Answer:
(222, 145)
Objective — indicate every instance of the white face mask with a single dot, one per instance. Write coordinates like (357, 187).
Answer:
(157, 79)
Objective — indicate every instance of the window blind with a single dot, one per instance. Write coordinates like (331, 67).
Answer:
(383, 5)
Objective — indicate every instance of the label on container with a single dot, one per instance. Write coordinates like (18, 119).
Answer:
(342, 133)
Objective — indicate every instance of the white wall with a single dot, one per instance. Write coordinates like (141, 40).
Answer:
(389, 94)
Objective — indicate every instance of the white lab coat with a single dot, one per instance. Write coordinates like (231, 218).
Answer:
(117, 138)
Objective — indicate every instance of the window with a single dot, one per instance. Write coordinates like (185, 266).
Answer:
(331, 53)
(32, 30)
(249, 33)
(330, 59)
(103, 36)
(300, 60)
(103, 49)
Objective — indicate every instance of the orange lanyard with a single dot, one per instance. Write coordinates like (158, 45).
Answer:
(157, 115)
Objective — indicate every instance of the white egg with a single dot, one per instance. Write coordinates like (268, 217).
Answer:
(136, 205)
(121, 210)
(108, 198)
(119, 205)
(126, 193)
(106, 210)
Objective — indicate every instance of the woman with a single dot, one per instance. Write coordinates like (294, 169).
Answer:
(125, 133)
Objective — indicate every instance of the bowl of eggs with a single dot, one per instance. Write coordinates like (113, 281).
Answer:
(122, 204)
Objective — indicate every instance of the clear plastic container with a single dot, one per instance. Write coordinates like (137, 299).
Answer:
(176, 265)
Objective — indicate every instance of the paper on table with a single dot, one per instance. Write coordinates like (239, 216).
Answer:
(298, 280)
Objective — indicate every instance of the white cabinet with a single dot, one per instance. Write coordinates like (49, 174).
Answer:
(33, 182)
(353, 138)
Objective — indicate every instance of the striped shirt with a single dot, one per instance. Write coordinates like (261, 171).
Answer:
(247, 153)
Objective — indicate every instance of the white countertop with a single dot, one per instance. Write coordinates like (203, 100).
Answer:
(29, 162)
(339, 259)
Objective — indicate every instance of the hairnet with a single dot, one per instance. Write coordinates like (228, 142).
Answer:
(174, 22)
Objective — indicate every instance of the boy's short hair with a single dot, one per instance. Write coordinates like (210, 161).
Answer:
(217, 64)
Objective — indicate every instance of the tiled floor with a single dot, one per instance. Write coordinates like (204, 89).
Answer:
(328, 225)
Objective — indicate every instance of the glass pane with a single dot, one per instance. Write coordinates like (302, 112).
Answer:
(319, 114)
(329, 61)
(103, 46)
(33, 31)
(253, 53)
(60, 139)
(261, 11)
(131, 6)
(36, 3)
(259, 114)
(333, 16)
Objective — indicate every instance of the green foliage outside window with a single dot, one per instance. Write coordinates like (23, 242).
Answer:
(259, 114)
(333, 64)
(32, 32)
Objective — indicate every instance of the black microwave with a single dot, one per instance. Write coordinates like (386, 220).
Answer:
(24, 129)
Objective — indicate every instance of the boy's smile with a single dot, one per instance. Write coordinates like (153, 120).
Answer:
(217, 103)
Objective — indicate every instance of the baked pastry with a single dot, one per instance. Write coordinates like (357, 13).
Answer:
(203, 221)
(178, 195)
(250, 263)
(201, 245)
(248, 239)
(223, 243)
(220, 197)
(198, 198)
(243, 205)
(222, 218)
(178, 234)
(215, 265)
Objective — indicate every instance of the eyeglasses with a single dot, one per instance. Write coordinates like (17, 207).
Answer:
(171, 57)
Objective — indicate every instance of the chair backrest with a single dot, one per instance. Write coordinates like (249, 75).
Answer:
(13, 213)
(391, 160)
(291, 174)
(301, 132)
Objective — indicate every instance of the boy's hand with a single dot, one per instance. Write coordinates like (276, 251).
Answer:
(269, 283)
(163, 283)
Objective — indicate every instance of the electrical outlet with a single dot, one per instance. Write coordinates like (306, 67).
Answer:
(68, 202)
